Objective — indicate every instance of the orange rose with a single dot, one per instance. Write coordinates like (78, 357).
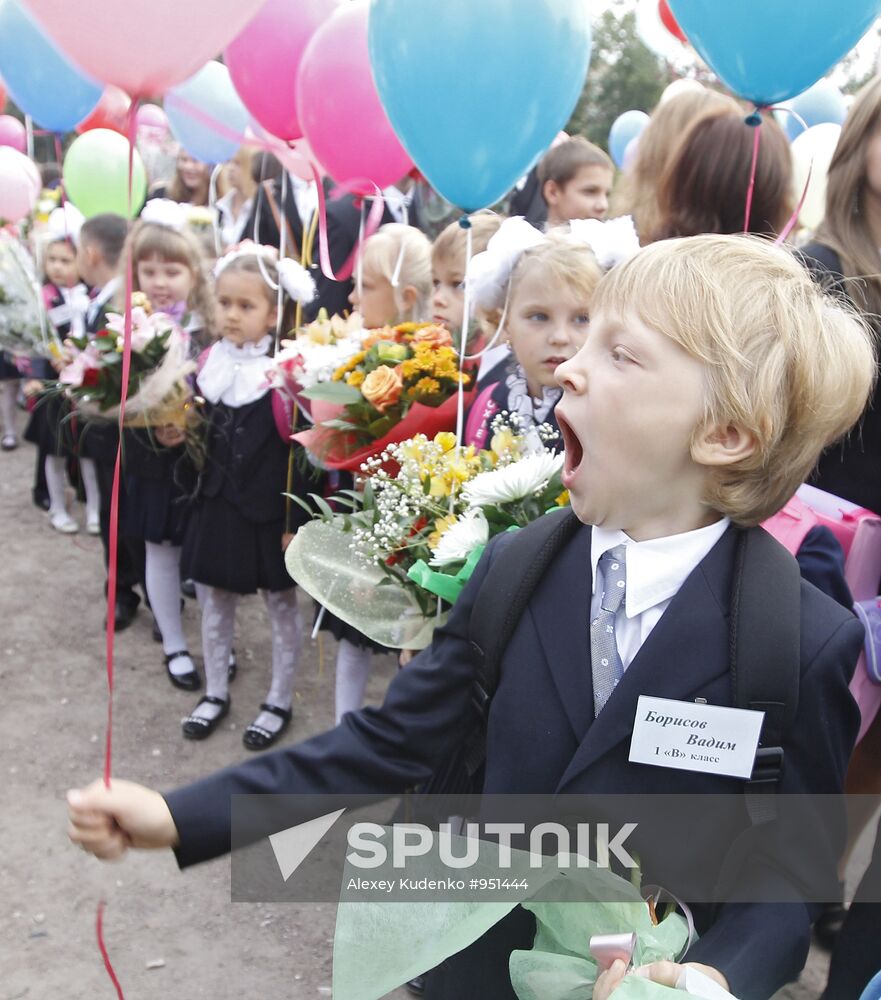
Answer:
(434, 336)
(382, 333)
(382, 387)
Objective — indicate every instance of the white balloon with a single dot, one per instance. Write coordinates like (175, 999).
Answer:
(812, 151)
(683, 86)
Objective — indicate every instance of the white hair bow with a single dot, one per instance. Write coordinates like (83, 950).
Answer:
(489, 272)
(295, 279)
(612, 241)
(165, 212)
(65, 223)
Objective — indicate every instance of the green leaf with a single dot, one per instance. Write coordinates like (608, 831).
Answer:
(322, 505)
(333, 392)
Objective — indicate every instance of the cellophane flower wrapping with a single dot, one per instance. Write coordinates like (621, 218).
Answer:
(23, 329)
(391, 559)
(378, 946)
(159, 390)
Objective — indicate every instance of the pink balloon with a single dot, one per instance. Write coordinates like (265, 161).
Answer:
(339, 108)
(265, 58)
(143, 46)
(13, 133)
(20, 185)
(152, 116)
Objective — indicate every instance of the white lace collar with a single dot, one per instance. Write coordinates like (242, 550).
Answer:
(236, 376)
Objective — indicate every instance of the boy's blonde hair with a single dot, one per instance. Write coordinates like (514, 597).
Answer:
(451, 243)
(784, 360)
(398, 246)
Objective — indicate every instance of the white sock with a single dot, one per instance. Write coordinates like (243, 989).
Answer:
(287, 640)
(56, 485)
(90, 484)
(352, 671)
(162, 578)
(8, 396)
(218, 627)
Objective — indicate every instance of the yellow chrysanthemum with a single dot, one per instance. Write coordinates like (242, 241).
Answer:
(446, 439)
(426, 387)
(503, 441)
(355, 379)
(563, 499)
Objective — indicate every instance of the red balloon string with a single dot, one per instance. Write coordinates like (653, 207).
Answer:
(108, 965)
(291, 158)
(757, 138)
(113, 554)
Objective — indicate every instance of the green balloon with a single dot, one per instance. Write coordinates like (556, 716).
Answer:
(96, 174)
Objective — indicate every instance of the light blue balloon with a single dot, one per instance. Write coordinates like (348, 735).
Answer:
(625, 128)
(476, 90)
(39, 78)
(769, 52)
(210, 91)
(819, 104)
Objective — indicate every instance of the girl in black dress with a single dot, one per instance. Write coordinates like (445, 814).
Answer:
(234, 538)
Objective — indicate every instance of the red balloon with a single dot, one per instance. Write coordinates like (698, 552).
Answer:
(110, 112)
(670, 22)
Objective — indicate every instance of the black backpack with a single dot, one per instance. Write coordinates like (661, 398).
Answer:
(764, 643)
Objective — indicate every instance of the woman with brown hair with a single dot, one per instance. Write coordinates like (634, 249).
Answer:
(705, 186)
(190, 183)
(637, 191)
(845, 255)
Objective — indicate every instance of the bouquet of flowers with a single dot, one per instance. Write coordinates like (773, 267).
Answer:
(158, 386)
(393, 562)
(403, 381)
(23, 328)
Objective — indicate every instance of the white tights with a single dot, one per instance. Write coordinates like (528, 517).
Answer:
(162, 579)
(352, 671)
(218, 627)
(56, 484)
(8, 397)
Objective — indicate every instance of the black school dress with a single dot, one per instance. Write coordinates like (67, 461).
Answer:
(233, 537)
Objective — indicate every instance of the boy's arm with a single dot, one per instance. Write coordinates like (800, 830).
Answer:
(386, 750)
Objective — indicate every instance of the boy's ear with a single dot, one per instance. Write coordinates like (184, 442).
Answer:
(719, 445)
(551, 192)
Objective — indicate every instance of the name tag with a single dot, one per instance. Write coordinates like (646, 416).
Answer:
(692, 737)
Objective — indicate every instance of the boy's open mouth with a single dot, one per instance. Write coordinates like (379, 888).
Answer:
(574, 451)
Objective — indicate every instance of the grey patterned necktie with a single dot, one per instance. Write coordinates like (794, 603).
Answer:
(605, 661)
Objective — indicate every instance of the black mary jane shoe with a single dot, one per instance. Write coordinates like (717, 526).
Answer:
(194, 727)
(416, 986)
(188, 589)
(257, 738)
(190, 681)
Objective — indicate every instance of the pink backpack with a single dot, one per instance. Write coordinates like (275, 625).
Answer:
(859, 533)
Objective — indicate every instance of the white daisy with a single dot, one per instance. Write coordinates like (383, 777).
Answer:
(461, 539)
(512, 482)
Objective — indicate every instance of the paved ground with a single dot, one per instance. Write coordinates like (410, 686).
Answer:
(169, 934)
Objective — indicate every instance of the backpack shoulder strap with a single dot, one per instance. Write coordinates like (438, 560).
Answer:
(506, 590)
(791, 525)
(765, 639)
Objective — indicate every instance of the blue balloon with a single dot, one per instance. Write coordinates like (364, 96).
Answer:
(625, 128)
(41, 81)
(210, 91)
(818, 105)
(476, 90)
(769, 52)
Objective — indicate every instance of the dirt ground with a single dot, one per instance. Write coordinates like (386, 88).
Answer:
(169, 934)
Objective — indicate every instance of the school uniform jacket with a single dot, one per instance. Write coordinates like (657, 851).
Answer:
(542, 738)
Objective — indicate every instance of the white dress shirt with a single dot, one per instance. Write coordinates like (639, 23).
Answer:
(236, 376)
(655, 570)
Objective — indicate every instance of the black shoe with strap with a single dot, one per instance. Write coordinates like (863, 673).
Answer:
(194, 727)
(190, 681)
(257, 738)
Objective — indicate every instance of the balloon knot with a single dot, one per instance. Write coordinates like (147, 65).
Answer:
(755, 119)
(465, 222)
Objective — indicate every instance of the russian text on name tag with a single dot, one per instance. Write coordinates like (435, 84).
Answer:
(695, 737)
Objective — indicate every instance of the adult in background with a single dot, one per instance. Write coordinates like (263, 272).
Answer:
(190, 183)
(845, 255)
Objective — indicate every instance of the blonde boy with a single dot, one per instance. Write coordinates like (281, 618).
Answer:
(713, 374)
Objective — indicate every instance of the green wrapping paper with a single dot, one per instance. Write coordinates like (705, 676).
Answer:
(378, 946)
